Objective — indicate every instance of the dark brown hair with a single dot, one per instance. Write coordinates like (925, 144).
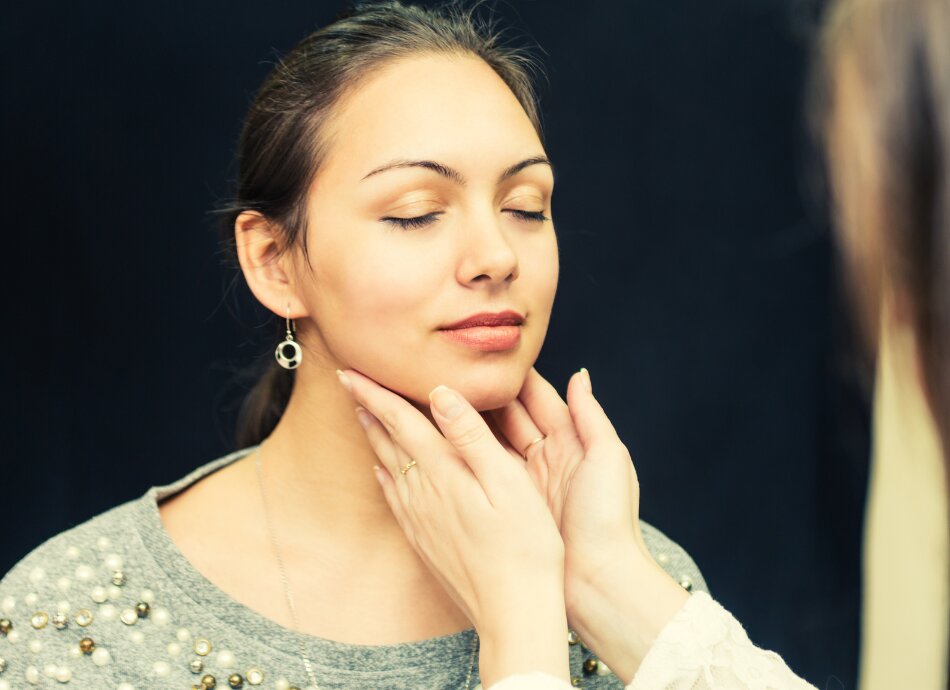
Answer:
(883, 109)
(283, 142)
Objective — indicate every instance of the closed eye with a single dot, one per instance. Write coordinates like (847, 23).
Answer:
(419, 221)
(530, 215)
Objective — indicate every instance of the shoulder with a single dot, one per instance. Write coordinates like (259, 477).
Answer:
(673, 558)
(63, 554)
(47, 599)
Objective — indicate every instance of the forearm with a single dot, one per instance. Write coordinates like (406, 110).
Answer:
(620, 610)
(530, 635)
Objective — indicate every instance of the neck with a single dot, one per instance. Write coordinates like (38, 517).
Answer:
(317, 467)
(332, 516)
(322, 495)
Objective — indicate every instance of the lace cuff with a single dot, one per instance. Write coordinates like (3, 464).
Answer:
(704, 647)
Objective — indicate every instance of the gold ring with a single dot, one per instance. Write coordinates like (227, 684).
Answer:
(524, 453)
(408, 467)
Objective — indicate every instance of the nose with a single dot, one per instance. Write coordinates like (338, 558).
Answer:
(487, 254)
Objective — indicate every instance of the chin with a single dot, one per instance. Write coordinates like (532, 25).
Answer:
(489, 392)
(485, 385)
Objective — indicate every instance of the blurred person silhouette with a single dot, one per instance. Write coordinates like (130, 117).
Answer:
(883, 114)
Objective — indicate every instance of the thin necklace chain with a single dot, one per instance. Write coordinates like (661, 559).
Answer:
(290, 598)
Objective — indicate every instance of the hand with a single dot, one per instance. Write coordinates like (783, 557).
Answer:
(473, 515)
(617, 597)
(582, 469)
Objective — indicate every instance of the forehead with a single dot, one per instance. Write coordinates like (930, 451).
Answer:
(452, 108)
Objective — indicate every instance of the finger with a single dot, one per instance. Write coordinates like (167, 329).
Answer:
(492, 422)
(379, 439)
(391, 494)
(407, 427)
(544, 404)
(469, 434)
(592, 424)
(390, 455)
(517, 426)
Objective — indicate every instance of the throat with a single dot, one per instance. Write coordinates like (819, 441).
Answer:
(339, 579)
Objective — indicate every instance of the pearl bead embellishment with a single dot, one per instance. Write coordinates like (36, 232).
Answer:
(101, 656)
(104, 588)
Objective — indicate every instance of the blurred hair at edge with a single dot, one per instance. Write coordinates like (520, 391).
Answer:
(882, 109)
(285, 137)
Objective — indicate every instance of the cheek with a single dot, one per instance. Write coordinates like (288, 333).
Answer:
(545, 266)
(373, 297)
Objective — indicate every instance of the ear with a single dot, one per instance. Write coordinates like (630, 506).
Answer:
(269, 274)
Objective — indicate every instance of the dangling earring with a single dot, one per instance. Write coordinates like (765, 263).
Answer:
(288, 352)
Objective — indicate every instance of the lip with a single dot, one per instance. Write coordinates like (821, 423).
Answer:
(503, 318)
(485, 338)
(486, 331)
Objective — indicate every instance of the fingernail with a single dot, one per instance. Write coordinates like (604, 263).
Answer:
(586, 375)
(345, 380)
(446, 402)
(364, 417)
(377, 474)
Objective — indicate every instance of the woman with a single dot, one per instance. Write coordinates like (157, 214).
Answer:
(394, 212)
(885, 109)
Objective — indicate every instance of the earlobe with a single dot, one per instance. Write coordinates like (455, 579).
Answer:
(266, 270)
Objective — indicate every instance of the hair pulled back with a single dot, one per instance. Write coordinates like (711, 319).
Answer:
(283, 140)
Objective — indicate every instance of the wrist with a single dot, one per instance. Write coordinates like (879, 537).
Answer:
(527, 633)
(620, 609)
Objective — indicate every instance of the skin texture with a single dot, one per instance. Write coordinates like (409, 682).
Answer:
(516, 546)
(374, 300)
(615, 595)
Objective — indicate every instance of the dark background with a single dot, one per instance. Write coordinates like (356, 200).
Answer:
(699, 283)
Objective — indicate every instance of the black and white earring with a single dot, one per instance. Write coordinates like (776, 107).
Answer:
(288, 352)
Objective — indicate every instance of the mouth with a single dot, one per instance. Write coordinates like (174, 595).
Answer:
(486, 331)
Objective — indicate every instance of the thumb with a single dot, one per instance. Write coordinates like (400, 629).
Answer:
(590, 420)
(470, 435)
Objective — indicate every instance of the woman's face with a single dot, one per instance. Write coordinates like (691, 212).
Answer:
(380, 295)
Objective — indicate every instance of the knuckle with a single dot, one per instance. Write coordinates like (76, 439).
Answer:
(390, 420)
(468, 436)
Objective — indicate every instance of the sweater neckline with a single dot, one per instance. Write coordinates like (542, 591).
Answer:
(325, 654)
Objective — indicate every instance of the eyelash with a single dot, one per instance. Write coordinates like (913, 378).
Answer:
(419, 221)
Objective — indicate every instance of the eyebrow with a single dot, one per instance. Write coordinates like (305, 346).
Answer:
(455, 175)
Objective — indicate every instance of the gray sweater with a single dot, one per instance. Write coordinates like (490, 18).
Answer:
(159, 623)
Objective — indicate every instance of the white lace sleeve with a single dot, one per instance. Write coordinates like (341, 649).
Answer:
(703, 647)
